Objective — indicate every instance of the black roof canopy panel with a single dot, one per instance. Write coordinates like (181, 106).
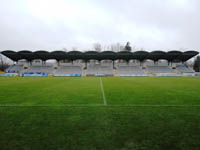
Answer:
(156, 55)
(26, 54)
(140, 55)
(107, 55)
(43, 55)
(12, 55)
(59, 55)
(88, 55)
(125, 55)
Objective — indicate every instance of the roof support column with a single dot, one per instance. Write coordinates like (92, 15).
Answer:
(58, 62)
(127, 62)
(170, 62)
(86, 64)
(140, 63)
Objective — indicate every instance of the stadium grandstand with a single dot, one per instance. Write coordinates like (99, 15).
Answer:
(106, 63)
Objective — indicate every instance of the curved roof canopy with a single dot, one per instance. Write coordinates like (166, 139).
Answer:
(173, 55)
(110, 55)
(12, 55)
(91, 55)
(140, 55)
(28, 55)
(156, 55)
(43, 55)
(125, 55)
(59, 55)
(74, 55)
(187, 55)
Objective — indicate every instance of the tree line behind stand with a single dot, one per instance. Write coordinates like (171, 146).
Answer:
(196, 65)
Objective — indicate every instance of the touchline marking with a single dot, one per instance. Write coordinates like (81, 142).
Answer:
(103, 93)
(46, 105)
(93, 105)
(149, 105)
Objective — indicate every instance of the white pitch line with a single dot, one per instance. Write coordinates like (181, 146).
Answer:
(46, 105)
(103, 93)
(139, 105)
(93, 105)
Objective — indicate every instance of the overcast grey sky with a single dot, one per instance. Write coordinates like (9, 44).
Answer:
(54, 24)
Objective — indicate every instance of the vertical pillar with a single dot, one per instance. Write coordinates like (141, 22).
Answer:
(85, 64)
(198, 59)
(58, 62)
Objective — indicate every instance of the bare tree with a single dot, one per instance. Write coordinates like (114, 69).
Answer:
(112, 47)
(104, 47)
(183, 49)
(3, 64)
(97, 47)
(74, 48)
(141, 49)
(64, 49)
(116, 47)
(196, 66)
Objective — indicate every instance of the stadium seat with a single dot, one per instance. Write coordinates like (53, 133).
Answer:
(100, 69)
(68, 71)
(48, 69)
(184, 69)
(159, 69)
(14, 69)
(129, 70)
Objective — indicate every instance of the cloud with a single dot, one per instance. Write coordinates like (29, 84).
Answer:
(52, 24)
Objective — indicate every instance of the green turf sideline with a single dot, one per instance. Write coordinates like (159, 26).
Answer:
(103, 93)
(94, 105)
(48, 105)
(132, 105)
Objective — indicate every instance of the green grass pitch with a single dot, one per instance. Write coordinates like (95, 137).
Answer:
(107, 113)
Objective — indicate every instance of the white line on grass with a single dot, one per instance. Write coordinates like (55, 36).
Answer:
(46, 105)
(151, 105)
(92, 105)
(103, 93)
